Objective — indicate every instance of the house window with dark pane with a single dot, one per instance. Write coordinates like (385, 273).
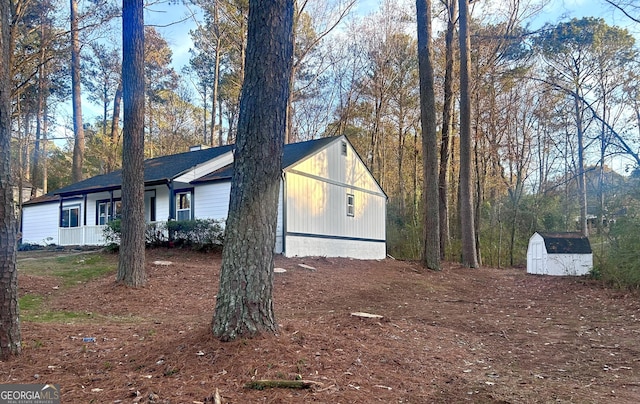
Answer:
(183, 206)
(108, 212)
(70, 216)
(344, 148)
(350, 205)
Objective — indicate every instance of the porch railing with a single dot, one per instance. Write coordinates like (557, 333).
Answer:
(85, 235)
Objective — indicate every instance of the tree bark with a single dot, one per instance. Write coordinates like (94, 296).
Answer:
(131, 259)
(447, 129)
(76, 98)
(9, 311)
(582, 181)
(114, 139)
(431, 228)
(244, 305)
(467, 221)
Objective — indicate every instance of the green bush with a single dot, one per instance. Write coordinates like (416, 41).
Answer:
(111, 234)
(199, 234)
(621, 266)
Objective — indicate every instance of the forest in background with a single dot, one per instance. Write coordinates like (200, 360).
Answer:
(552, 111)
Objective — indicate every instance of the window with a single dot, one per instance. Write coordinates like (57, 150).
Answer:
(183, 206)
(70, 216)
(152, 209)
(105, 212)
(350, 205)
(344, 148)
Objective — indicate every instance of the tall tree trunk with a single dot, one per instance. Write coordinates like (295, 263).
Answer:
(447, 129)
(76, 98)
(35, 162)
(244, 305)
(204, 115)
(402, 202)
(9, 311)
(467, 223)
(431, 245)
(45, 129)
(582, 181)
(220, 132)
(131, 259)
(36, 172)
(288, 136)
(214, 94)
(114, 138)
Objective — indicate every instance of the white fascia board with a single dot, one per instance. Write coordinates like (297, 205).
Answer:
(206, 168)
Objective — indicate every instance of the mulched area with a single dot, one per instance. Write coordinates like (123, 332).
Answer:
(458, 335)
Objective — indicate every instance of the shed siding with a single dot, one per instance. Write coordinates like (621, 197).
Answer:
(569, 264)
(541, 262)
(40, 223)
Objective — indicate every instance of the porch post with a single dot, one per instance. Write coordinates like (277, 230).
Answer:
(172, 202)
(172, 210)
(60, 214)
(111, 207)
(84, 219)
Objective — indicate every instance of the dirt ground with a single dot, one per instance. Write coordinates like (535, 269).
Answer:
(459, 335)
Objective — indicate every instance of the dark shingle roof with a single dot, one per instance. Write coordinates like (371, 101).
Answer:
(162, 169)
(156, 170)
(292, 153)
(566, 243)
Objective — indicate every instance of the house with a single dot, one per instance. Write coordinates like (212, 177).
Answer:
(329, 203)
(559, 254)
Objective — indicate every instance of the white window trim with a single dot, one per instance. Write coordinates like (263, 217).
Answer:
(111, 213)
(351, 202)
(69, 208)
(178, 210)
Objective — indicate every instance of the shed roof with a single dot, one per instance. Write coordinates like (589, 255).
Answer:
(566, 243)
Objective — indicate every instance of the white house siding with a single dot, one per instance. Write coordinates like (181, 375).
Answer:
(331, 164)
(279, 224)
(40, 223)
(162, 203)
(92, 205)
(317, 222)
(309, 246)
(211, 201)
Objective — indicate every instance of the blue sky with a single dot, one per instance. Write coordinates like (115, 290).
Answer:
(175, 22)
(177, 34)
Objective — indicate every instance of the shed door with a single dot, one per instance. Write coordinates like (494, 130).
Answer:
(537, 258)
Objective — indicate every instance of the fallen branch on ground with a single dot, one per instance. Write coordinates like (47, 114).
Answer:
(283, 384)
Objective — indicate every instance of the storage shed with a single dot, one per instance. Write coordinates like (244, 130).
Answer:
(560, 254)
